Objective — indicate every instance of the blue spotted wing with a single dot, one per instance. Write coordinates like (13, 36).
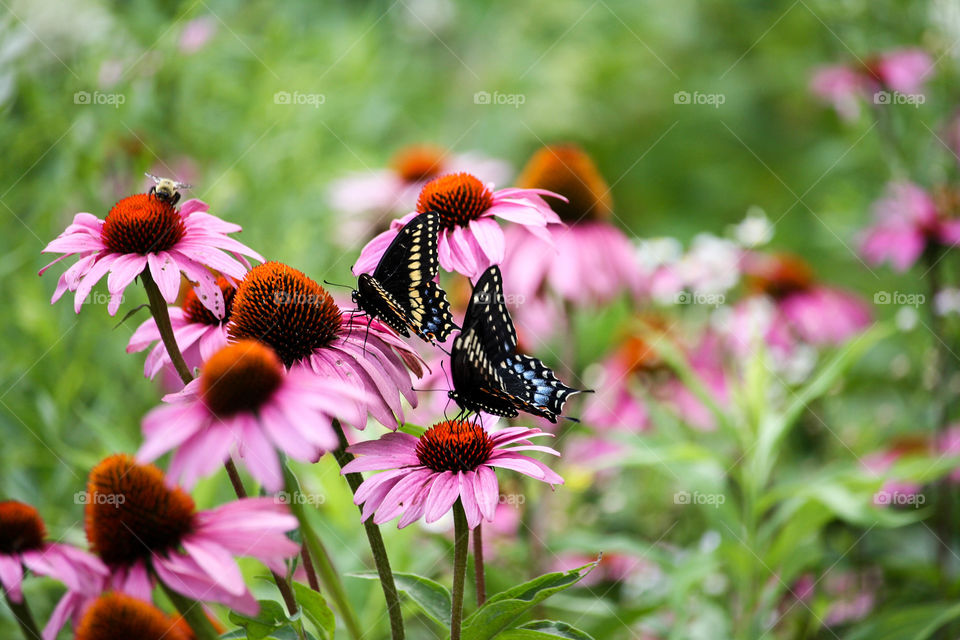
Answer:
(402, 291)
(488, 373)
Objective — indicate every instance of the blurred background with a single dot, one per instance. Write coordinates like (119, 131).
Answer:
(95, 93)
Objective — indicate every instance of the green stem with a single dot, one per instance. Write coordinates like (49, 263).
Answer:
(161, 315)
(478, 571)
(460, 542)
(379, 550)
(318, 552)
(308, 567)
(193, 613)
(21, 611)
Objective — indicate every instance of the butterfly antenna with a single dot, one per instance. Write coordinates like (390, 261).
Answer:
(334, 284)
(365, 336)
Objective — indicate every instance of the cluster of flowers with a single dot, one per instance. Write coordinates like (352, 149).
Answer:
(279, 365)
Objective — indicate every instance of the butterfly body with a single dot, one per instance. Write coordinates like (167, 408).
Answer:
(402, 291)
(489, 374)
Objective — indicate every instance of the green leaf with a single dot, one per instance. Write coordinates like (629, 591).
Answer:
(315, 609)
(271, 617)
(545, 630)
(433, 598)
(910, 623)
(413, 430)
(500, 611)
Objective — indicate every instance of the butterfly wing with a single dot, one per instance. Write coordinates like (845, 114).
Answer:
(405, 279)
(534, 387)
(489, 363)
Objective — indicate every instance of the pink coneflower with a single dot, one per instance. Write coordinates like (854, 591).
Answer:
(23, 544)
(817, 314)
(246, 403)
(281, 307)
(844, 86)
(470, 240)
(591, 260)
(198, 331)
(196, 34)
(369, 197)
(146, 232)
(908, 221)
(115, 616)
(144, 529)
(637, 370)
(424, 477)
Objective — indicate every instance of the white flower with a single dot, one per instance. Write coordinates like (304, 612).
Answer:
(947, 301)
(755, 230)
(658, 252)
(711, 266)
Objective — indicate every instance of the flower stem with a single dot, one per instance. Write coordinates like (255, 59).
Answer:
(314, 548)
(161, 315)
(461, 534)
(21, 611)
(192, 613)
(478, 570)
(308, 567)
(380, 557)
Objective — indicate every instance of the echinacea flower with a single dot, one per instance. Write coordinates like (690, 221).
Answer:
(816, 313)
(904, 71)
(116, 616)
(470, 238)
(424, 477)
(198, 331)
(908, 221)
(143, 529)
(246, 402)
(281, 307)
(367, 198)
(143, 232)
(588, 261)
(636, 371)
(23, 544)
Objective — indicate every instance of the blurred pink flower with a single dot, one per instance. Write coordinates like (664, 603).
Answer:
(470, 240)
(613, 567)
(844, 86)
(144, 232)
(589, 261)
(425, 476)
(907, 221)
(196, 33)
(816, 313)
(198, 331)
(246, 403)
(23, 544)
(144, 530)
(366, 198)
(636, 371)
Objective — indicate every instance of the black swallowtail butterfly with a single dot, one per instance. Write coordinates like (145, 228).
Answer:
(488, 373)
(402, 291)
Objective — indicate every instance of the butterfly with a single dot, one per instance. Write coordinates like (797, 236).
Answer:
(488, 373)
(402, 291)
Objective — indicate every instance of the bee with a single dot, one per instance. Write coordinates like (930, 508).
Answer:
(165, 189)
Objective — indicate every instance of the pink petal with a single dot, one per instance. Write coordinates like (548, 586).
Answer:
(166, 273)
(443, 493)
